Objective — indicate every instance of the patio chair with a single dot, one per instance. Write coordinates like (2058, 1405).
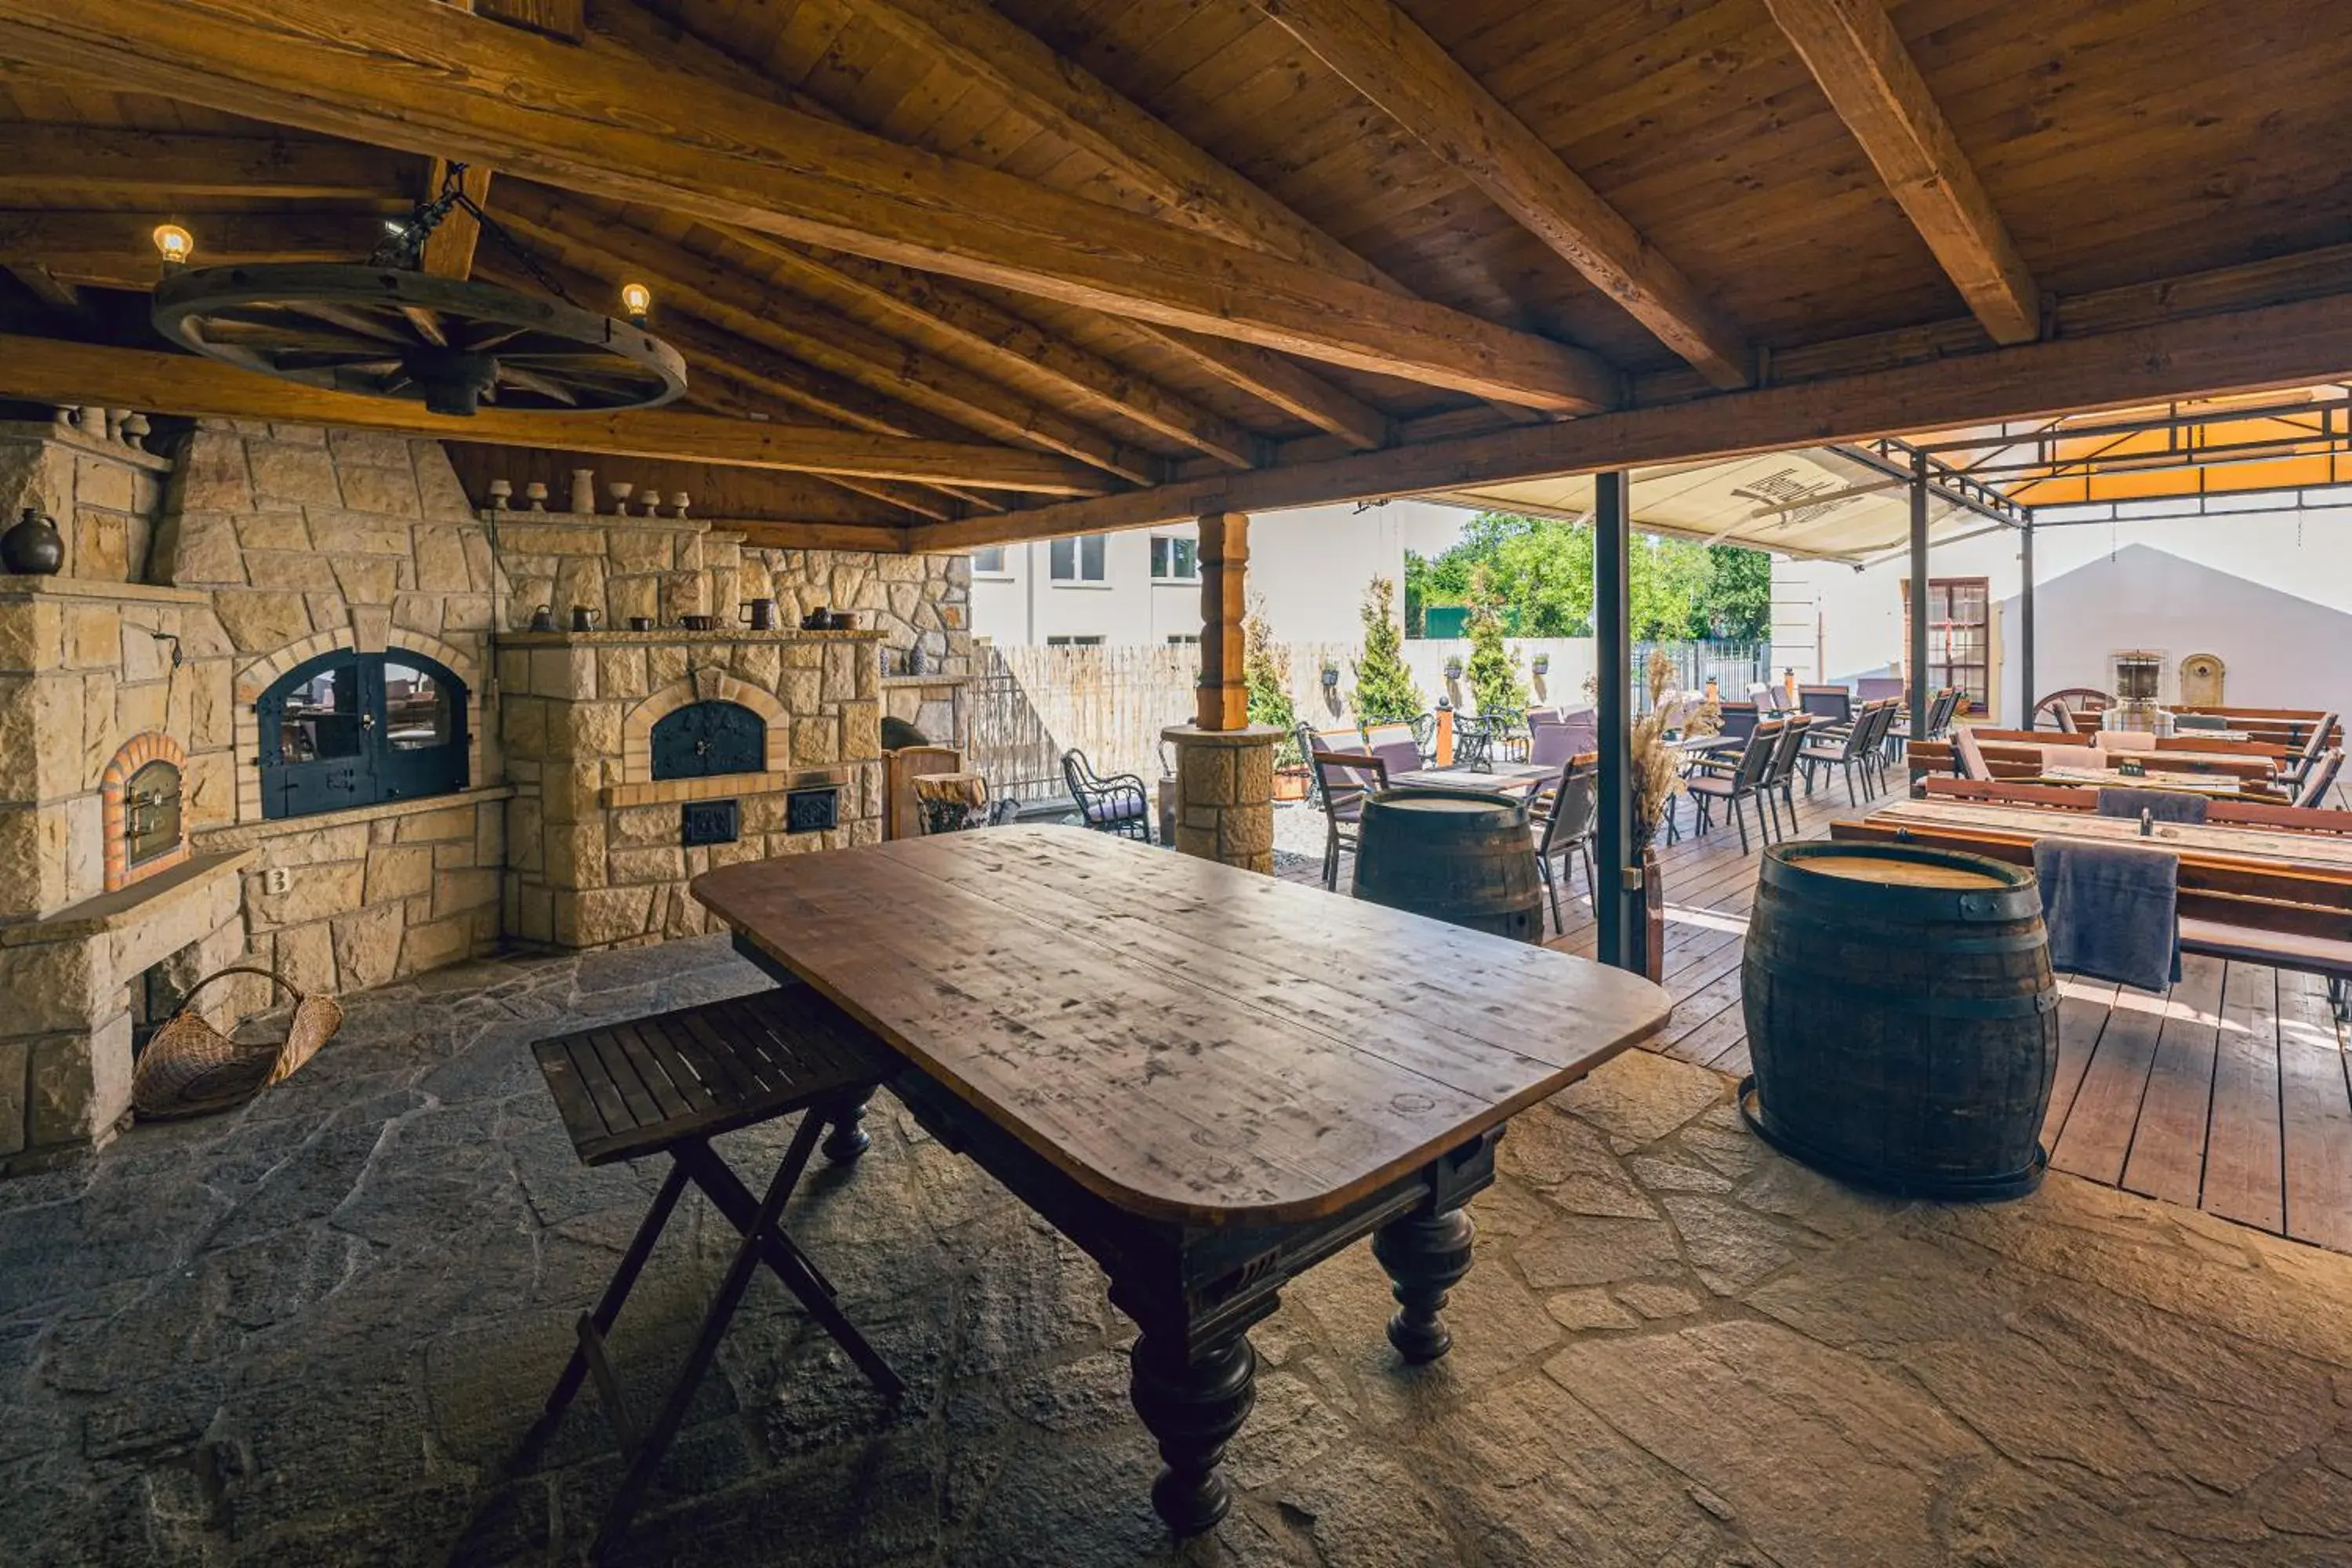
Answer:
(1876, 755)
(1107, 802)
(1345, 778)
(1846, 748)
(1777, 787)
(1424, 735)
(1740, 719)
(1551, 745)
(2298, 768)
(1736, 781)
(1473, 742)
(1567, 830)
(1394, 745)
(1834, 703)
(668, 1084)
(1313, 740)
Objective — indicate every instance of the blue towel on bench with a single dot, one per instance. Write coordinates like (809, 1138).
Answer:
(2163, 804)
(2113, 910)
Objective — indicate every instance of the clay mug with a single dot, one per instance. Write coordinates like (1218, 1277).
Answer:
(759, 615)
(583, 619)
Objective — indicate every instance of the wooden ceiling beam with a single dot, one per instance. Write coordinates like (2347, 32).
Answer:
(1193, 188)
(601, 241)
(943, 315)
(1274, 379)
(82, 160)
(1870, 78)
(431, 78)
(2266, 347)
(1386, 56)
(449, 248)
(115, 250)
(45, 370)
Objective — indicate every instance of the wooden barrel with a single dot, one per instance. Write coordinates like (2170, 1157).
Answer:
(1901, 1017)
(1467, 858)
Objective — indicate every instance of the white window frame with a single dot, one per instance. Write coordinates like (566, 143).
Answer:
(1177, 578)
(1001, 571)
(1078, 579)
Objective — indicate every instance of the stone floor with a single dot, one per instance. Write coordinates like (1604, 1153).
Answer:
(312, 1332)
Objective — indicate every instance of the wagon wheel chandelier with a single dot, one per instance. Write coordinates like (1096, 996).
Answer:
(385, 328)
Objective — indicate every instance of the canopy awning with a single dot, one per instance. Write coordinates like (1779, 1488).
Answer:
(1826, 502)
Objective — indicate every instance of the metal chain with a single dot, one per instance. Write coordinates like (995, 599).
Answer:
(404, 246)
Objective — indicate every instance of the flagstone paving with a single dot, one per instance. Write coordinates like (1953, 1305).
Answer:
(313, 1331)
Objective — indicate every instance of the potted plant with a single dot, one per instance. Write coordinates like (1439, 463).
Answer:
(1331, 675)
(1265, 665)
(1540, 663)
(1453, 666)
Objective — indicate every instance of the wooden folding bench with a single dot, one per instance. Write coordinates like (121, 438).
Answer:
(668, 1084)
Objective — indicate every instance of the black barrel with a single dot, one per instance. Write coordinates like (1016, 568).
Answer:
(1455, 856)
(1901, 1017)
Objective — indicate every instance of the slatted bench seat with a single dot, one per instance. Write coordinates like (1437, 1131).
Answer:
(668, 1084)
(2328, 957)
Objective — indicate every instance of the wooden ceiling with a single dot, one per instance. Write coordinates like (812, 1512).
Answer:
(951, 272)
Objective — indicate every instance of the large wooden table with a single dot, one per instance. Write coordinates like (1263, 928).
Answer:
(1209, 1080)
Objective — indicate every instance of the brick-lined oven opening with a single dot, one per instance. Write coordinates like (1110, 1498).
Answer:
(141, 809)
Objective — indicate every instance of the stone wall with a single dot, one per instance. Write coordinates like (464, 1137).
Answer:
(88, 469)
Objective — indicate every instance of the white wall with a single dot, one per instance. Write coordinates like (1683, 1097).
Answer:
(2269, 594)
(1311, 565)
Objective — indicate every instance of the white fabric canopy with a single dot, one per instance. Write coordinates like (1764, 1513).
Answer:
(1820, 501)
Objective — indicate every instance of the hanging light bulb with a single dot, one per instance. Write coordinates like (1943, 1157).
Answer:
(175, 244)
(636, 300)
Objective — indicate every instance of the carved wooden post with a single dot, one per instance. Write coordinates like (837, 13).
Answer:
(1223, 698)
(1224, 766)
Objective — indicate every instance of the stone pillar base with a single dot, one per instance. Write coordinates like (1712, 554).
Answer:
(1224, 793)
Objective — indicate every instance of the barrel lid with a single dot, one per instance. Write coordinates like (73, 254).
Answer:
(1456, 801)
(1904, 872)
(1903, 880)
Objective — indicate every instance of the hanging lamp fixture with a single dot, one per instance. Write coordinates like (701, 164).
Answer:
(385, 327)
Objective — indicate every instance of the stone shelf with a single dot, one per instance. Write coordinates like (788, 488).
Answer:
(911, 681)
(667, 635)
(126, 906)
(720, 786)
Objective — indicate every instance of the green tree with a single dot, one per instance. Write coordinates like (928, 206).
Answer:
(1494, 669)
(1539, 570)
(1265, 665)
(1384, 690)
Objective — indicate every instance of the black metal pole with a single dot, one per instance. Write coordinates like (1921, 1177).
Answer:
(1618, 913)
(2025, 629)
(1919, 594)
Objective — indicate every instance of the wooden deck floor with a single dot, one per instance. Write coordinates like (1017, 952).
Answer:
(2230, 1093)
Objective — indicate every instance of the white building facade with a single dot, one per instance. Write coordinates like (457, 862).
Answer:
(2267, 592)
(1311, 567)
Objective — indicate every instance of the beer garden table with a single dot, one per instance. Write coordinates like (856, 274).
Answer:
(1208, 1079)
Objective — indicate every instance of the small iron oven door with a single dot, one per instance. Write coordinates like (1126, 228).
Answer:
(704, 739)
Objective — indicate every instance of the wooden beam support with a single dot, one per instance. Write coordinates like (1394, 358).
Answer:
(2264, 349)
(1193, 188)
(78, 161)
(449, 248)
(1386, 56)
(945, 315)
(1222, 698)
(631, 31)
(1855, 52)
(48, 370)
(426, 76)
(115, 250)
(605, 243)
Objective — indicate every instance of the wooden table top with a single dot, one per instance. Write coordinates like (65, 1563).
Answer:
(2315, 850)
(2154, 778)
(1503, 777)
(1186, 1039)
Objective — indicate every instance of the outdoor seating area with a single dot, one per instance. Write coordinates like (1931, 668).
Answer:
(1243, 784)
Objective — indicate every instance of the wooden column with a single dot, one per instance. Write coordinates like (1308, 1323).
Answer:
(1225, 764)
(1222, 700)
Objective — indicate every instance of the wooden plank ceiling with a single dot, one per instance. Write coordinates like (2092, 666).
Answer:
(949, 272)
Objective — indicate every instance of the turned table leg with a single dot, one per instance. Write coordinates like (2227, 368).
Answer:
(1425, 1256)
(1193, 1405)
(848, 1140)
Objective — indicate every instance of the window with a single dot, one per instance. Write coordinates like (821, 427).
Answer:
(357, 729)
(1094, 641)
(1174, 559)
(1959, 648)
(1183, 640)
(1078, 560)
(989, 562)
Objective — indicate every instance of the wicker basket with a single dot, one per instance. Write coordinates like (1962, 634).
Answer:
(190, 1069)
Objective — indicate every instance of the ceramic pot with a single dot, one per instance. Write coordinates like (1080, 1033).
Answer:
(759, 615)
(33, 548)
(542, 619)
(583, 619)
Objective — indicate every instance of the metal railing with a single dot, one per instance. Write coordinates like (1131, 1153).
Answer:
(1734, 666)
